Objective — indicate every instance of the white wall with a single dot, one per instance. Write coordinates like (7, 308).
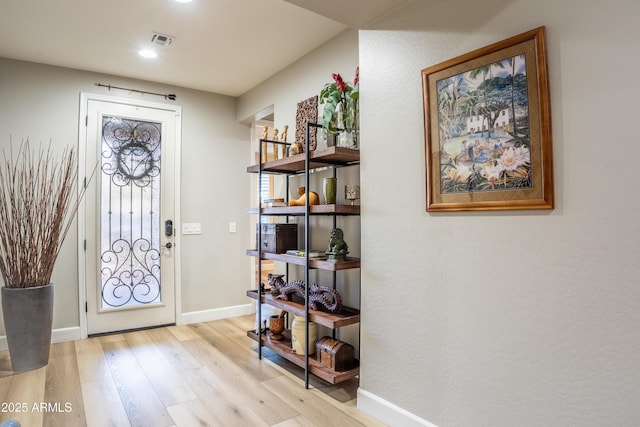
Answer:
(42, 102)
(301, 80)
(512, 318)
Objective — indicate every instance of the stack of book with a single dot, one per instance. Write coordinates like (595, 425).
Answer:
(272, 203)
(312, 254)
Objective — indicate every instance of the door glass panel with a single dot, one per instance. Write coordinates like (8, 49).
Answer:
(130, 213)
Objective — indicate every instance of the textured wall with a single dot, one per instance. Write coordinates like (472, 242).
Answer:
(512, 318)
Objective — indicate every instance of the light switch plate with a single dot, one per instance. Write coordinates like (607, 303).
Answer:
(191, 228)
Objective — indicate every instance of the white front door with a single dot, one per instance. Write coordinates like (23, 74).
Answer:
(130, 214)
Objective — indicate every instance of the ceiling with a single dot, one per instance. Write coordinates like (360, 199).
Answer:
(220, 46)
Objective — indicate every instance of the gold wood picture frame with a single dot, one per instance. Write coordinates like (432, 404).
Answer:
(487, 125)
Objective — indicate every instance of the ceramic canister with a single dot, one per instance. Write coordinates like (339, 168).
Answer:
(297, 335)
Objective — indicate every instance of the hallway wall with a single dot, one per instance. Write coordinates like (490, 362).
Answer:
(501, 319)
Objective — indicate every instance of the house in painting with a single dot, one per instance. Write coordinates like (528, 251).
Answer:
(478, 122)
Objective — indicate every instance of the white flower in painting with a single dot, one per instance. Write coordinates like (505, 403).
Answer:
(523, 155)
(509, 161)
(459, 174)
(492, 173)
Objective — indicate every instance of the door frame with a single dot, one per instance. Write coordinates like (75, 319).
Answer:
(85, 97)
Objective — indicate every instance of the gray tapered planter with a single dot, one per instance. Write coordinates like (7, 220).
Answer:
(28, 319)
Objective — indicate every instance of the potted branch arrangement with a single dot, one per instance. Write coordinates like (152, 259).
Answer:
(38, 201)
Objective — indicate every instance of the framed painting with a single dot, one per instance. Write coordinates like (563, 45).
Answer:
(488, 128)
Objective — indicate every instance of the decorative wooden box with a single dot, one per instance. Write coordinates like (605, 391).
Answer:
(278, 238)
(335, 354)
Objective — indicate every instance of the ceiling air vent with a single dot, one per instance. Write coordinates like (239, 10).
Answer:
(161, 39)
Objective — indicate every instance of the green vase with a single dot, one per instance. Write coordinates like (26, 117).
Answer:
(329, 186)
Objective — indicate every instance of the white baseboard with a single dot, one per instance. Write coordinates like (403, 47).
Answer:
(215, 314)
(66, 334)
(387, 412)
(73, 333)
(57, 335)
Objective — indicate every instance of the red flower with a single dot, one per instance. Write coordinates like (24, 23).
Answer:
(355, 81)
(339, 81)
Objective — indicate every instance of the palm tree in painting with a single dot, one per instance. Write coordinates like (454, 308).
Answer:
(484, 70)
(454, 105)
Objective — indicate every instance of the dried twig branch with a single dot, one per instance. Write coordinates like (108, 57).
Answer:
(38, 202)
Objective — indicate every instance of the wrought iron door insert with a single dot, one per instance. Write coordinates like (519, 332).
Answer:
(130, 213)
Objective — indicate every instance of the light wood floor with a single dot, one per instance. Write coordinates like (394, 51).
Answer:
(205, 374)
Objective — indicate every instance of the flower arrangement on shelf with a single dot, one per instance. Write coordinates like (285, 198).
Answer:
(341, 110)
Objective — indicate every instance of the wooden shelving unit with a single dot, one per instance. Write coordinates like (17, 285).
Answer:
(296, 165)
(283, 349)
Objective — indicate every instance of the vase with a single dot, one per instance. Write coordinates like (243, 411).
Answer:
(343, 123)
(298, 342)
(345, 139)
(322, 141)
(276, 326)
(355, 124)
(28, 319)
(329, 187)
(302, 200)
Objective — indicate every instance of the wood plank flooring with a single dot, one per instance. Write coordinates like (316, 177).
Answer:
(205, 374)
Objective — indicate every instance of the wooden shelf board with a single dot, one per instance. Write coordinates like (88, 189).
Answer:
(318, 263)
(318, 158)
(347, 316)
(283, 349)
(314, 210)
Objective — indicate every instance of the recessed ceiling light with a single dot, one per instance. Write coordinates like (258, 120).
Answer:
(183, 1)
(147, 53)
